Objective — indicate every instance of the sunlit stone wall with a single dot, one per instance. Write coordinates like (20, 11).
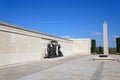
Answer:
(81, 46)
(19, 44)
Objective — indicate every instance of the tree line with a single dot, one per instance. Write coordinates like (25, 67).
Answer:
(99, 49)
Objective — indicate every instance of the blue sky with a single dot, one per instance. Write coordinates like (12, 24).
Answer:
(65, 18)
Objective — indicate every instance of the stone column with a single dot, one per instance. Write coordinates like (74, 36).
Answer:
(105, 38)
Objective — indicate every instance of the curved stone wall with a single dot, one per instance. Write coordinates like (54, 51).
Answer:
(19, 44)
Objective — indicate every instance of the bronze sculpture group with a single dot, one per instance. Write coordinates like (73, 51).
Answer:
(53, 49)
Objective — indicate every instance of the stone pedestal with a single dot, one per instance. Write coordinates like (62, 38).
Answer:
(104, 58)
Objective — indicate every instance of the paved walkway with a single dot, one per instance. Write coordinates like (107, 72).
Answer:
(70, 68)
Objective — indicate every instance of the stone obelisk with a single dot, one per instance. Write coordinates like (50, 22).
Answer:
(105, 38)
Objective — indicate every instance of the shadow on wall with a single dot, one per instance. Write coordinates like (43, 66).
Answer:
(53, 50)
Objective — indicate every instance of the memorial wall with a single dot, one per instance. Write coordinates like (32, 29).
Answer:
(19, 44)
(81, 46)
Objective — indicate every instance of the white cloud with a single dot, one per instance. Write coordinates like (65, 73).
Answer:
(116, 36)
(96, 33)
(68, 37)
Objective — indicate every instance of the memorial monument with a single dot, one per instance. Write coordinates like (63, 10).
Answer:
(18, 44)
(105, 41)
(53, 49)
(105, 38)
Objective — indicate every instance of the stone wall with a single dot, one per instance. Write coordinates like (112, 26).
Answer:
(81, 46)
(18, 44)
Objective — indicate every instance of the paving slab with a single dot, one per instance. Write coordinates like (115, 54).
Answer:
(13, 72)
(67, 68)
(80, 69)
(111, 70)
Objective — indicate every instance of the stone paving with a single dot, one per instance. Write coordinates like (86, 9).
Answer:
(65, 68)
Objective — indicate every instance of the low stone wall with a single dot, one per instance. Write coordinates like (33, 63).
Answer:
(19, 44)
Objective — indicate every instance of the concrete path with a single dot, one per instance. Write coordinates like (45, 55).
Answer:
(70, 68)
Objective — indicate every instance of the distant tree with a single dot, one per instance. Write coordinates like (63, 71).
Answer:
(93, 48)
(100, 50)
(118, 45)
(112, 50)
(97, 50)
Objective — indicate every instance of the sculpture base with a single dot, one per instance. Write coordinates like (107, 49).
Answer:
(53, 56)
(103, 57)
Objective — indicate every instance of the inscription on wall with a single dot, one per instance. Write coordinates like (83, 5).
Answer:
(18, 38)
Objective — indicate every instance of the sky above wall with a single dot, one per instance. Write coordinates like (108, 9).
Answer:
(65, 18)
